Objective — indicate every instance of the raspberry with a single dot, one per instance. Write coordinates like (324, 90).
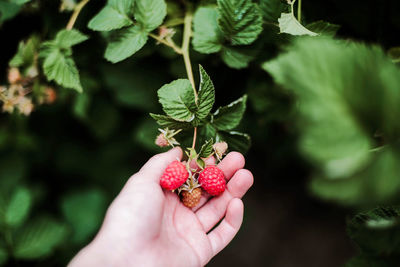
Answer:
(212, 180)
(174, 176)
(191, 199)
(161, 141)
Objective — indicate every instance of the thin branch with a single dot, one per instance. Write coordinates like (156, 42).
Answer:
(75, 14)
(187, 33)
(169, 43)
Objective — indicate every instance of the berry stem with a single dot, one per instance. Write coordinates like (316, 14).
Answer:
(194, 137)
(75, 14)
(299, 11)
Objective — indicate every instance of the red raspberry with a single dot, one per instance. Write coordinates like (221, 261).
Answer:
(174, 176)
(212, 180)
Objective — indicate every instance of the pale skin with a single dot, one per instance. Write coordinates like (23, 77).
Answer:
(148, 226)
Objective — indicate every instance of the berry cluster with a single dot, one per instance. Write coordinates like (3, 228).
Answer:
(179, 176)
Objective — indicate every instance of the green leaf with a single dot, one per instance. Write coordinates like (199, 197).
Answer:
(122, 6)
(39, 238)
(177, 100)
(8, 10)
(228, 117)
(207, 36)
(236, 141)
(237, 57)
(168, 122)
(150, 13)
(206, 95)
(323, 28)
(18, 207)
(26, 53)
(69, 38)
(206, 149)
(377, 232)
(62, 69)
(336, 117)
(125, 43)
(240, 21)
(109, 19)
(289, 24)
(272, 9)
(376, 183)
(84, 211)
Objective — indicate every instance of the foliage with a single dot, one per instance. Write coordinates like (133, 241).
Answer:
(65, 154)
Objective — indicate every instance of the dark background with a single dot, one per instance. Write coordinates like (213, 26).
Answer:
(64, 151)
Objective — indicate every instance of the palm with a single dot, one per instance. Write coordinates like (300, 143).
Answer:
(148, 225)
(182, 230)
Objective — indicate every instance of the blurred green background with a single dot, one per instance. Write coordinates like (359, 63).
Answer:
(66, 161)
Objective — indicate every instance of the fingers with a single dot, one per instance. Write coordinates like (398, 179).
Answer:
(214, 210)
(155, 166)
(221, 236)
(229, 165)
(208, 161)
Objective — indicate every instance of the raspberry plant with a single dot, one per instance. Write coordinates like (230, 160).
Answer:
(349, 141)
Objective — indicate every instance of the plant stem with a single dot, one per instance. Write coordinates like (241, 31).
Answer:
(171, 44)
(174, 22)
(187, 33)
(194, 137)
(75, 14)
(299, 11)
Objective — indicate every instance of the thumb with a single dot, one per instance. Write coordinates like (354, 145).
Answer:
(155, 166)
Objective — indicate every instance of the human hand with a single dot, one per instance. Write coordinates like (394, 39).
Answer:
(147, 226)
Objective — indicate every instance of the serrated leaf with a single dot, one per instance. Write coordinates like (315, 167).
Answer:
(178, 101)
(237, 57)
(62, 69)
(38, 239)
(150, 13)
(18, 207)
(109, 19)
(206, 95)
(272, 9)
(125, 43)
(207, 36)
(206, 149)
(84, 211)
(228, 117)
(26, 53)
(289, 24)
(323, 28)
(240, 21)
(168, 122)
(122, 6)
(236, 141)
(69, 38)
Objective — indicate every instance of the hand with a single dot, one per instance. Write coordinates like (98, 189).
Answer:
(146, 226)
